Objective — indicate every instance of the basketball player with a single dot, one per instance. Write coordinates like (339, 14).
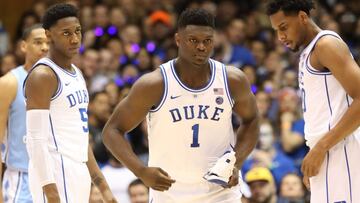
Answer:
(12, 112)
(329, 81)
(188, 102)
(61, 165)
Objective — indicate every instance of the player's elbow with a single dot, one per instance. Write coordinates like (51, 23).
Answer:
(108, 135)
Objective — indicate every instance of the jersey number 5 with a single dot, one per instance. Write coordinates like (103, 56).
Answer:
(84, 119)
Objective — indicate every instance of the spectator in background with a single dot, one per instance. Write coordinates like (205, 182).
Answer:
(292, 189)
(267, 155)
(99, 113)
(262, 185)
(138, 192)
(291, 127)
(118, 178)
(8, 62)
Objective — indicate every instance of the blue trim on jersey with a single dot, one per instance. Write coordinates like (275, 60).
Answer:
(347, 100)
(348, 169)
(64, 70)
(53, 134)
(328, 98)
(226, 85)
(312, 71)
(17, 191)
(327, 177)
(63, 173)
(163, 73)
(59, 89)
(212, 67)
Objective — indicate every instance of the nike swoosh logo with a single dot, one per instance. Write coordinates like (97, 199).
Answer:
(174, 97)
(66, 84)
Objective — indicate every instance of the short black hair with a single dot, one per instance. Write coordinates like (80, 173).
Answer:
(26, 33)
(289, 6)
(57, 12)
(196, 16)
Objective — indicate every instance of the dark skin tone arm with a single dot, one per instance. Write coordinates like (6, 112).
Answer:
(333, 53)
(40, 86)
(132, 110)
(245, 107)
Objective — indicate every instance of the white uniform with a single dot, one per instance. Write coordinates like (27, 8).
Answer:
(68, 140)
(324, 102)
(188, 132)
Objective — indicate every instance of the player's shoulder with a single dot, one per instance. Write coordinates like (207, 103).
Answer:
(8, 80)
(8, 85)
(150, 80)
(328, 43)
(235, 74)
(237, 81)
(42, 72)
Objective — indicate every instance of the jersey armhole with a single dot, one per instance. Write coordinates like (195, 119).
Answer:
(59, 86)
(231, 101)
(163, 74)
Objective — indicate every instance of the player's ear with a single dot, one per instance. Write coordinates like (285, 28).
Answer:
(23, 46)
(48, 35)
(177, 39)
(303, 17)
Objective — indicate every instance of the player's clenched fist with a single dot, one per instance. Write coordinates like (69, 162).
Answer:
(156, 178)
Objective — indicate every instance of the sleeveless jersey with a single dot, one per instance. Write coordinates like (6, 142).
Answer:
(16, 156)
(69, 133)
(190, 129)
(324, 100)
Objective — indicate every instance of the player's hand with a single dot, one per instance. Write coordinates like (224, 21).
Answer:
(306, 182)
(51, 193)
(234, 178)
(156, 178)
(108, 196)
(313, 161)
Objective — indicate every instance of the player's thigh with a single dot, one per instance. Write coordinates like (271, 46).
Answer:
(76, 180)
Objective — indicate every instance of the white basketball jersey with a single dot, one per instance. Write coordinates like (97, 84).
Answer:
(190, 129)
(68, 113)
(324, 100)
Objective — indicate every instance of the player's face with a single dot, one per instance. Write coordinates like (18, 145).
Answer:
(36, 45)
(65, 36)
(288, 29)
(195, 43)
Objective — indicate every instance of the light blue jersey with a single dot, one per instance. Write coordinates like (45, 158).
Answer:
(16, 156)
(15, 181)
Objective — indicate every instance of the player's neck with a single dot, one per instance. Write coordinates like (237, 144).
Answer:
(312, 31)
(60, 59)
(194, 76)
(28, 65)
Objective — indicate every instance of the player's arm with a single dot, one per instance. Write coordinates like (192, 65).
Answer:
(8, 86)
(39, 88)
(98, 178)
(145, 93)
(245, 107)
(335, 55)
(332, 53)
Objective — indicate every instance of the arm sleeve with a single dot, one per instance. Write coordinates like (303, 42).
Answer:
(37, 135)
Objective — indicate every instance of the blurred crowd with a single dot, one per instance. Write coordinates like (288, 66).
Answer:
(124, 39)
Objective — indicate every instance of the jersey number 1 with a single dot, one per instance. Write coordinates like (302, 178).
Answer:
(195, 129)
